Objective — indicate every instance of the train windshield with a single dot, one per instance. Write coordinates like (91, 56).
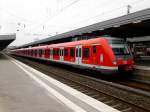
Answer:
(121, 51)
(119, 47)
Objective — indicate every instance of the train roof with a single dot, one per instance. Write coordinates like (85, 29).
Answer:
(69, 44)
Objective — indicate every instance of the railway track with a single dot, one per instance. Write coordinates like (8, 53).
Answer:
(121, 96)
(135, 84)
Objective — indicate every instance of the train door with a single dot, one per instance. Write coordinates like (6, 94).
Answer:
(95, 54)
(79, 54)
(47, 55)
(61, 54)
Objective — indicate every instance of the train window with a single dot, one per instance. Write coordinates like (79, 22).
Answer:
(32, 53)
(62, 52)
(43, 51)
(79, 55)
(94, 49)
(28, 52)
(40, 52)
(66, 52)
(85, 52)
(35, 52)
(46, 51)
(72, 52)
(121, 51)
(57, 52)
(51, 52)
(76, 52)
(54, 52)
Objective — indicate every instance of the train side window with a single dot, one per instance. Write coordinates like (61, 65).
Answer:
(85, 52)
(32, 53)
(76, 52)
(35, 52)
(50, 52)
(54, 52)
(43, 51)
(79, 55)
(66, 52)
(72, 52)
(62, 52)
(40, 52)
(57, 52)
(46, 52)
(94, 49)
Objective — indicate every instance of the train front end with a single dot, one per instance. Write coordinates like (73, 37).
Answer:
(123, 55)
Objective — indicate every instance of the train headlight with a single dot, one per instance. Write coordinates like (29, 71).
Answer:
(114, 62)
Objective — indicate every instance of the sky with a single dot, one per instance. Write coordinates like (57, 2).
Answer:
(32, 20)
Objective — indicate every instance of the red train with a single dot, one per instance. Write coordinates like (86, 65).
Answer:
(107, 55)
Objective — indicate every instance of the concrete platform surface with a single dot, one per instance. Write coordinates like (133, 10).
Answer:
(142, 67)
(24, 89)
(19, 93)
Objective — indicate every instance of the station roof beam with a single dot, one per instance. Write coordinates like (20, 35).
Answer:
(6, 39)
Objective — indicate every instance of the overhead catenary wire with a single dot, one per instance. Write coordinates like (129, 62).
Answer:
(16, 16)
(104, 13)
(62, 10)
(66, 7)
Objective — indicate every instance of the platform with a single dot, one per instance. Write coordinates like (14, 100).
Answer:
(24, 89)
(142, 67)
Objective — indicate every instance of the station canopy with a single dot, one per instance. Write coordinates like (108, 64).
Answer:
(6, 39)
(135, 24)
